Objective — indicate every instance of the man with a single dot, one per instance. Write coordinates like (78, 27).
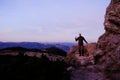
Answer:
(80, 40)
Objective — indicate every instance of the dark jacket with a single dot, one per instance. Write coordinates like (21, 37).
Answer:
(80, 40)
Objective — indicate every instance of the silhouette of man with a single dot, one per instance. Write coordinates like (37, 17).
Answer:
(80, 40)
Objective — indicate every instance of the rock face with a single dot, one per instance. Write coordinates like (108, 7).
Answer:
(109, 42)
(106, 52)
(88, 58)
(90, 48)
(87, 73)
(112, 17)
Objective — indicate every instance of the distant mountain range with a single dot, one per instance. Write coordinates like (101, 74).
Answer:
(36, 45)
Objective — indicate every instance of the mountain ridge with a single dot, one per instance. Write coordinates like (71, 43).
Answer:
(37, 45)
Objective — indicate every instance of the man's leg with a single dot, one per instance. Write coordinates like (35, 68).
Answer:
(80, 50)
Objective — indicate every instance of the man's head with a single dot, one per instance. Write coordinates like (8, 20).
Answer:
(79, 34)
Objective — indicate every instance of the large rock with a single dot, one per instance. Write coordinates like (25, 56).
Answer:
(109, 42)
(107, 51)
(91, 48)
(112, 17)
(91, 72)
(73, 57)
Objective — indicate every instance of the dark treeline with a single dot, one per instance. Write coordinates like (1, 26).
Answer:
(32, 68)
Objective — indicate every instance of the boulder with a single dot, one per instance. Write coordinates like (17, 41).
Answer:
(108, 46)
(73, 57)
(109, 42)
(91, 48)
(105, 53)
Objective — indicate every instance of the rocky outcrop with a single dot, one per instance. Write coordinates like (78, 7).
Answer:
(112, 17)
(31, 64)
(91, 48)
(53, 53)
(73, 57)
(91, 72)
(106, 53)
(109, 42)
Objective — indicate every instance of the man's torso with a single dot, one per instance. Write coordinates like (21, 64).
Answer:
(80, 40)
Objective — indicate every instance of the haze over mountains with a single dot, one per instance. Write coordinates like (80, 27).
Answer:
(36, 45)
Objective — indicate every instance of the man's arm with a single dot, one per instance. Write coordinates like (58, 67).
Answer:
(76, 38)
(85, 41)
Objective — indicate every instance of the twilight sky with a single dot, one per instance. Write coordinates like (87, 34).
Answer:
(51, 20)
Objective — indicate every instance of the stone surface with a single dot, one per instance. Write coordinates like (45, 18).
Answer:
(109, 42)
(112, 17)
(87, 73)
(106, 53)
(91, 48)
(74, 58)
